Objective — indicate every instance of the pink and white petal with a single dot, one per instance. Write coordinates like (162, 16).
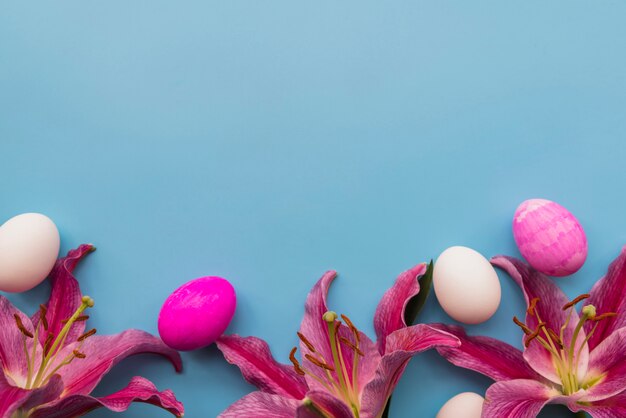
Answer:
(402, 345)
(549, 309)
(138, 390)
(521, 398)
(367, 364)
(262, 405)
(65, 296)
(103, 352)
(51, 391)
(613, 407)
(313, 327)
(389, 315)
(328, 404)
(254, 358)
(608, 362)
(609, 295)
(14, 398)
(12, 351)
(485, 355)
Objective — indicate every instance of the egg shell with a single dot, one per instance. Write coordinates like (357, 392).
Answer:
(29, 247)
(197, 313)
(466, 285)
(549, 237)
(463, 405)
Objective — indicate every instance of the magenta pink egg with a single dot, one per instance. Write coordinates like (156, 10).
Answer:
(197, 313)
(549, 237)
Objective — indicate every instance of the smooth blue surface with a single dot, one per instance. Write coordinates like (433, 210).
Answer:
(268, 142)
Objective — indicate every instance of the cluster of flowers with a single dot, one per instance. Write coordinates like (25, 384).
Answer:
(51, 364)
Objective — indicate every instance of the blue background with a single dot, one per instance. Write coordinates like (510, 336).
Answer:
(268, 142)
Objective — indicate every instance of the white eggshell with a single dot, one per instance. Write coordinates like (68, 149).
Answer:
(463, 405)
(466, 285)
(29, 246)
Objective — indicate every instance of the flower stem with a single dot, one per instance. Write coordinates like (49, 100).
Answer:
(581, 414)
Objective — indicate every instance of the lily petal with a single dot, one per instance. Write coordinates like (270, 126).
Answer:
(609, 295)
(12, 353)
(549, 309)
(315, 329)
(65, 296)
(389, 315)
(367, 363)
(13, 398)
(254, 358)
(262, 405)
(104, 352)
(401, 346)
(608, 361)
(488, 356)
(138, 390)
(521, 398)
(612, 407)
(332, 407)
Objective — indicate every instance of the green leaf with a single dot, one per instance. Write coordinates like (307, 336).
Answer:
(415, 305)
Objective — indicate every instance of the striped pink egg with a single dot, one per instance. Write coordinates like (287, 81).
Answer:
(549, 237)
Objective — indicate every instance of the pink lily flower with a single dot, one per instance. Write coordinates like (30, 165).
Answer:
(50, 364)
(577, 359)
(343, 374)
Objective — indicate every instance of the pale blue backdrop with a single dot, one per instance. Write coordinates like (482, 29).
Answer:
(269, 141)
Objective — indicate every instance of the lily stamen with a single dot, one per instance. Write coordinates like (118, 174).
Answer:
(87, 334)
(306, 342)
(534, 334)
(522, 325)
(78, 354)
(319, 363)
(295, 362)
(21, 326)
(347, 342)
(575, 301)
(42, 316)
(603, 316)
(48, 343)
(555, 338)
(531, 307)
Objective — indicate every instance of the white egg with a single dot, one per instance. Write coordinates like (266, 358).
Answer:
(463, 405)
(29, 246)
(466, 285)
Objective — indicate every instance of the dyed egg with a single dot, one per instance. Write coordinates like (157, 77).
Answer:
(466, 285)
(197, 313)
(549, 237)
(29, 247)
(463, 405)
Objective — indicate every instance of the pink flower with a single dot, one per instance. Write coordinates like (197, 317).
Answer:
(50, 364)
(570, 358)
(343, 373)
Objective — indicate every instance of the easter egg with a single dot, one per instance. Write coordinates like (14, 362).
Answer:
(463, 405)
(466, 285)
(549, 237)
(197, 313)
(29, 247)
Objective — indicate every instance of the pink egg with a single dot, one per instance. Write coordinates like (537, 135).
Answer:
(197, 313)
(549, 237)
